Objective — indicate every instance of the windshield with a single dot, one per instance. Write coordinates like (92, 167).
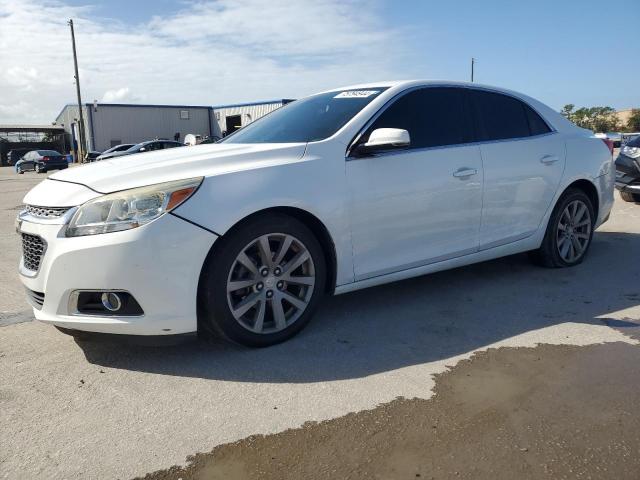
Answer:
(634, 142)
(307, 120)
(137, 147)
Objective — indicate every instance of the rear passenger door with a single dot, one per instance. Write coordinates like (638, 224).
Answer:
(523, 161)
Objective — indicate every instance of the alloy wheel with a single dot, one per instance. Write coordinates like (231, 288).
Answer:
(270, 283)
(574, 231)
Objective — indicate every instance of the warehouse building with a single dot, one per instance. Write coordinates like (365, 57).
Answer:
(110, 124)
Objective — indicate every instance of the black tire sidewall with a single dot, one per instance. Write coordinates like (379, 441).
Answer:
(214, 311)
(550, 246)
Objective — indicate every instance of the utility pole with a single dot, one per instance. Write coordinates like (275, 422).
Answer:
(473, 62)
(81, 141)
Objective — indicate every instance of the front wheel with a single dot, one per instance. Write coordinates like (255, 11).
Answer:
(262, 282)
(569, 232)
(20, 171)
(38, 168)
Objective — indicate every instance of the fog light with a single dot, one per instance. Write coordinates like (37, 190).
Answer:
(111, 301)
(119, 303)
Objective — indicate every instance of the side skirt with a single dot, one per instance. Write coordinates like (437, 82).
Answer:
(524, 245)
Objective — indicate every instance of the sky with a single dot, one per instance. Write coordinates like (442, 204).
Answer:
(226, 51)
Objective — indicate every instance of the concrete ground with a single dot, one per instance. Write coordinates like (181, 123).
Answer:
(72, 409)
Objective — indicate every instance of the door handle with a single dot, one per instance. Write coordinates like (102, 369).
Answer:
(549, 159)
(464, 172)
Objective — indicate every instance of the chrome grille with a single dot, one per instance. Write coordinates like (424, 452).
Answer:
(33, 248)
(46, 212)
(36, 299)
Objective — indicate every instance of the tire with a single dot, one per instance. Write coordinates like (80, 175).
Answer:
(630, 197)
(20, 171)
(38, 169)
(563, 231)
(223, 269)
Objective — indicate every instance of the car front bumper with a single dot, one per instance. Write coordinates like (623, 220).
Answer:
(158, 263)
(628, 174)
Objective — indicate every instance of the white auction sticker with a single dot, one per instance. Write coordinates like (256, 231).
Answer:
(357, 94)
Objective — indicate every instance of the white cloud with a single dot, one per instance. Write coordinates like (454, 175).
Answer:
(207, 53)
(119, 95)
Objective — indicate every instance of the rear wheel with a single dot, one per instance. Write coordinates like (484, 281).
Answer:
(569, 232)
(20, 171)
(263, 281)
(630, 197)
(38, 168)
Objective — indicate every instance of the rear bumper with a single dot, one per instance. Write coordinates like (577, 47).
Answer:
(158, 263)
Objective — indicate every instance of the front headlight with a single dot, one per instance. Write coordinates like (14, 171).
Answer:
(632, 152)
(130, 208)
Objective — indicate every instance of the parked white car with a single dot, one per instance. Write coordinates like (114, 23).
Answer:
(335, 192)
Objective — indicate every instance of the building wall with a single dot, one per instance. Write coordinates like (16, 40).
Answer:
(113, 124)
(67, 118)
(248, 114)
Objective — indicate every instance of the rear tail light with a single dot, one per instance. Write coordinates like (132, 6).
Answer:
(608, 143)
(45, 159)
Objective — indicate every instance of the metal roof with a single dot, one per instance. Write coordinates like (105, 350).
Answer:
(29, 128)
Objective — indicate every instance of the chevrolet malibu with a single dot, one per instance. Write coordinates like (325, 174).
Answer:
(335, 192)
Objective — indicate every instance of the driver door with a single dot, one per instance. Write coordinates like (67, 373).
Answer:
(419, 204)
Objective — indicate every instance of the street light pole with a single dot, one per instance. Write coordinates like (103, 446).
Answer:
(81, 142)
(473, 62)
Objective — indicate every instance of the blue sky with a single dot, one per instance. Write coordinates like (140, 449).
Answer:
(213, 52)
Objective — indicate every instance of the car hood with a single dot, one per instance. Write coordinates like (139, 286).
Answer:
(141, 169)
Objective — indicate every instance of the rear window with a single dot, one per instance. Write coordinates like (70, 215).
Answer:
(498, 117)
(48, 152)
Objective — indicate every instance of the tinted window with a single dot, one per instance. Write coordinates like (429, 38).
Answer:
(48, 152)
(537, 126)
(498, 116)
(307, 120)
(432, 116)
(171, 145)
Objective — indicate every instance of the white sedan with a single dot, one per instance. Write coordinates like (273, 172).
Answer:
(335, 192)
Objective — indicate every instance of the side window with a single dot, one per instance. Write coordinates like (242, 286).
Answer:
(498, 116)
(537, 126)
(154, 146)
(170, 145)
(432, 116)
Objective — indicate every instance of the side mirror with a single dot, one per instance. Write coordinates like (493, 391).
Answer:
(383, 139)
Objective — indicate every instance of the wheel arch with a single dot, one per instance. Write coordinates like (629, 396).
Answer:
(590, 191)
(311, 221)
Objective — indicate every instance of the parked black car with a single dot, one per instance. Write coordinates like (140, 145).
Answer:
(42, 161)
(628, 171)
(148, 146)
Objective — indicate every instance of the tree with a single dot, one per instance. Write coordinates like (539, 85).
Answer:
(633, 124)
(598, 119)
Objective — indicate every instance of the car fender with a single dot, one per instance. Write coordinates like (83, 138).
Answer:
(314, 184)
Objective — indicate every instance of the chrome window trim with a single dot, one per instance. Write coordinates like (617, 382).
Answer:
(406, 91)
